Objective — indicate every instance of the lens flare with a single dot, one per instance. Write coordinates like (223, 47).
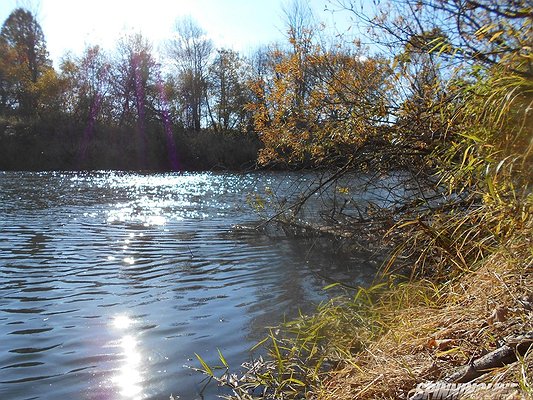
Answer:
(171, 145)
(140, 98)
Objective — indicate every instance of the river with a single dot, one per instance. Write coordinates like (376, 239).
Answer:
(110, 282)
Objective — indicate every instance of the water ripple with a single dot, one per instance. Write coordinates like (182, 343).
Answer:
(81, 251)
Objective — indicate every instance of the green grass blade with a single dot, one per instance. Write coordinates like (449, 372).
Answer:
(206, 367)
(222, 359)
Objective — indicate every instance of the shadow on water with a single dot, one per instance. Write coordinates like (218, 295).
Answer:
(112, 281)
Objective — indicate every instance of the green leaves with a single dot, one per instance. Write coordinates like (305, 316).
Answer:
(209, 370)
(222, 359)
(206, 368)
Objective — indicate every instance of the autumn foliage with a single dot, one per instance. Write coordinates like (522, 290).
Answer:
(319, 105)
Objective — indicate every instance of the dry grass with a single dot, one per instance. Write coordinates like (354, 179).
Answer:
(381, 342)
(430, 331)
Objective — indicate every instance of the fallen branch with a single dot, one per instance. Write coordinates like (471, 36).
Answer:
(296, 207)
(459, 384)
(507, 354)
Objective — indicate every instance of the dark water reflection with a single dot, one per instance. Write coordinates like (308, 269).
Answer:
(110, 282)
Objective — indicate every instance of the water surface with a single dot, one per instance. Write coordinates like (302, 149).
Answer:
(110, 282)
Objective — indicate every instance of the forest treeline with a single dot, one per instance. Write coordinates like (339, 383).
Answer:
(433, 72)
(314, 100)
(123, 108)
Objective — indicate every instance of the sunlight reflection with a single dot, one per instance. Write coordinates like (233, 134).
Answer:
(156, 220)
(148, 213)
(129, 260)
(170, 198)
(129, 378)
(122, 322)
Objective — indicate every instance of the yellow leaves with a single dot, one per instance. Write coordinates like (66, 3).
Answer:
(257, 86)
(317, 104)
(48, 89)
(495, 36)
(343, 190)
(441, 344)
(495, 31)
(443, 348)
(48, 79)
(482, 32)
(266, 155)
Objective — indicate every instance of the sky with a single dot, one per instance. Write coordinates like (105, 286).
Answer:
(242, 25)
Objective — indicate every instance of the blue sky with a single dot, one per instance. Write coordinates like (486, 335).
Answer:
(237, 24)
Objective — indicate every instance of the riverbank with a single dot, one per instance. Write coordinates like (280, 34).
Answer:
(66, 146)
(389, 340)
(421, 332)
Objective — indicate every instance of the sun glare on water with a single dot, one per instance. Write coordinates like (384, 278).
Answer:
(122, 322)
(128, 379)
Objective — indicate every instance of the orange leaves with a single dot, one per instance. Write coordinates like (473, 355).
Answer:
(315, 105)
(441, 344)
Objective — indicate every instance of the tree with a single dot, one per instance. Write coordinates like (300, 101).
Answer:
(134, 81)
(422, 93)
(482, 32)
(446, 46)
(318, 105)
(89, 84)
(300, 34)
(227, 91)
(8, 101)
(134, 91)
(24, 61)
(191, 51)
(469, 69)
